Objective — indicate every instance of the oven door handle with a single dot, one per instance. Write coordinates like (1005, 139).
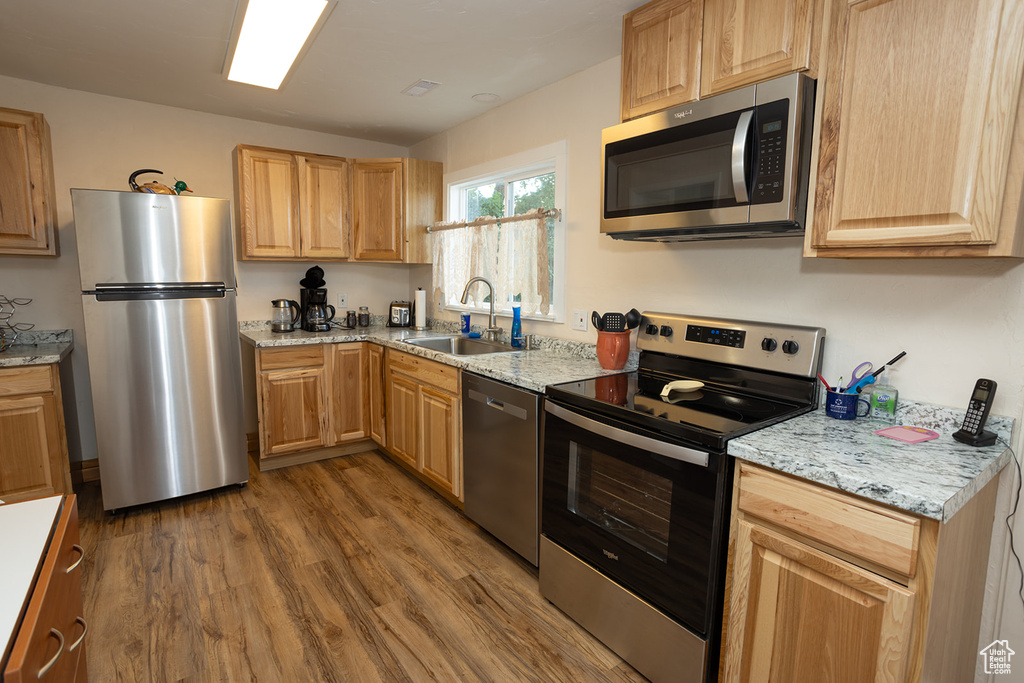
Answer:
(669, 450)
(739, 156)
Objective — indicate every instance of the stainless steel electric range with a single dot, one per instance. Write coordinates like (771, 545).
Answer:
(637, 485)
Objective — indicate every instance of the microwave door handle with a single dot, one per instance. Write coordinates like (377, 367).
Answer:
(669, 450)
(739, 156)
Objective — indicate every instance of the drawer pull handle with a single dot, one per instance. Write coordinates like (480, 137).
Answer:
(49, 665)
(81, 556)
(85, 629)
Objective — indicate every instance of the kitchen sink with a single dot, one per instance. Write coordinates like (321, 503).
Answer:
(460, 346)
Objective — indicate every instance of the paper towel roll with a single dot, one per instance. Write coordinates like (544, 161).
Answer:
(421, 309)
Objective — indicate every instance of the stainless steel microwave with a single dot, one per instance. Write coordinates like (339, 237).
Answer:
(732, 165)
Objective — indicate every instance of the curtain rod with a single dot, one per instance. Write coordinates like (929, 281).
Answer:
(546, 213)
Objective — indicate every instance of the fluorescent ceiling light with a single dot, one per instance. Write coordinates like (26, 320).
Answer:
(272, 36)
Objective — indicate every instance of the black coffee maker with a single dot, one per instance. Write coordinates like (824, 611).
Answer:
(317, 314)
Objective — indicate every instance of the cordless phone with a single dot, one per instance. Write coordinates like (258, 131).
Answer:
(972, 431)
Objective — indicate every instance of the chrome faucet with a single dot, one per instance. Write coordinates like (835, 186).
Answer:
(493, 332)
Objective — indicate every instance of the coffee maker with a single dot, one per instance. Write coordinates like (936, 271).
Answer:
(317, 314)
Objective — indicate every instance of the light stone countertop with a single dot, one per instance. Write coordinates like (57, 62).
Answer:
(931, 479)
(556, 361)
(38, 348)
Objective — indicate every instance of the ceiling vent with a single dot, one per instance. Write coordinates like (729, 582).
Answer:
(420, 88)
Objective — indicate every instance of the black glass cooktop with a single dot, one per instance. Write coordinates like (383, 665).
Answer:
(709, 415)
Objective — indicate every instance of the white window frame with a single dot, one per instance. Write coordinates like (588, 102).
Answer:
(552, 157)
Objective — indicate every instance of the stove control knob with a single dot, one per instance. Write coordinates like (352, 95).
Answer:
(769, 344)
(790, 347)
(666, 331)
(652, 330)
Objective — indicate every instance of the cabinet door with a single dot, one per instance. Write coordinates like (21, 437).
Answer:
(660, 56)
(28, 209)
(439, 417)
(268, 203)
(746, 41)
(917, 113)
(403, 399)
(324, 191)
(31, 455)
(293, 416)
(348, 393)
(377, 220)
(375, 391)
(798, 614)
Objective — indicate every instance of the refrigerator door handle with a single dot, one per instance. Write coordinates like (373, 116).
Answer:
(159, 294)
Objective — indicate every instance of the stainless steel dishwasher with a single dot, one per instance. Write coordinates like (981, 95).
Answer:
(501, 461)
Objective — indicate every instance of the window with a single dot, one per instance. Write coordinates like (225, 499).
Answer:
(522, 259)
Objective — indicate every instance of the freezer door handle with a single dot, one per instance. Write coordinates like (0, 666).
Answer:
(161, 294)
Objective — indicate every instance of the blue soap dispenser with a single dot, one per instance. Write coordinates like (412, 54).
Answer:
(517, 326)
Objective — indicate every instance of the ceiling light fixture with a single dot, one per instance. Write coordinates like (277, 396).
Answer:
(420, 87)
(486, 97)
(269, 37)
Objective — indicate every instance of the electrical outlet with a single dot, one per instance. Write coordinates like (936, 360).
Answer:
(579, 320)
(342, 302)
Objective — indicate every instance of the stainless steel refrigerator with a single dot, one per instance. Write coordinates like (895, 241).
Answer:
(158, 293)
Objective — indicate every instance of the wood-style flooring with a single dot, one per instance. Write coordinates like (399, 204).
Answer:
(341, 570)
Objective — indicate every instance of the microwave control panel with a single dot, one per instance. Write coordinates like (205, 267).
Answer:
(770, 179)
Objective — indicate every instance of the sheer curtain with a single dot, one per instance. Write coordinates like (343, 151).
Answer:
(512, 254)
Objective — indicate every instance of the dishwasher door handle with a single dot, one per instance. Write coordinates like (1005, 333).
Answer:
(507, 408)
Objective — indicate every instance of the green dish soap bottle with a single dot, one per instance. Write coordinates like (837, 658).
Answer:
(883, 399)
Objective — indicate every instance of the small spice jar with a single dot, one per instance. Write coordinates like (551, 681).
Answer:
(364, 316)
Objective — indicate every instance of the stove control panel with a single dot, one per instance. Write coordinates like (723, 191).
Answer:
(790, 349)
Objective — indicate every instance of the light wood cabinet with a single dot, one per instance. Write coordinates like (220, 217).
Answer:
(424, 423)
(677, 51)
(33, 445)
(375, 393)
(661, 56)
(747, 41)
(28, 218)
(829, 587)
(393, 202)
(54, 625)
(921, 144)
(292, 206)
(311, 397)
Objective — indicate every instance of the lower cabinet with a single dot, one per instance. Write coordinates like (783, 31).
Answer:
(828, 587)
(375, 393)
(310, 397)
(33, 445)
(424, 424)
(49, 644)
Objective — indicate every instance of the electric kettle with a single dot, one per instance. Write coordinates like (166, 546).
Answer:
(284, 315)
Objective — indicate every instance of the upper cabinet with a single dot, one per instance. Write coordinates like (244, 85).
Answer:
(28, 209)
(746, 41)
(660, 56)
(921, 145)
(676, 51)
(394, 200)
(297, 206)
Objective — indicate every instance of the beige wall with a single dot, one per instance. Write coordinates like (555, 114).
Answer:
(98, 141)
(958, 320)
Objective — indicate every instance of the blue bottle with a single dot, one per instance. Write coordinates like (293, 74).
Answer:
(517, 327)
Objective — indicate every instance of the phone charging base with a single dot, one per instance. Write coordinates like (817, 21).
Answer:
(983, 439)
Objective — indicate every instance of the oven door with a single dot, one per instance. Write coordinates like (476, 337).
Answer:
(647, 513)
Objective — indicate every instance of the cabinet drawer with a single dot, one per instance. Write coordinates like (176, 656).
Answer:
(872, 532)
(28, 379)
(306, 355)
(437, 375)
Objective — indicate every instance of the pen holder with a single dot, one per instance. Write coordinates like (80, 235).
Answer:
(612, 349)
(844, 406)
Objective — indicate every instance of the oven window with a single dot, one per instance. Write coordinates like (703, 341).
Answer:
(627, 501)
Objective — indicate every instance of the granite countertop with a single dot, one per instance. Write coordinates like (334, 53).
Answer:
(556, 360)
(38, 348)
(931, 479)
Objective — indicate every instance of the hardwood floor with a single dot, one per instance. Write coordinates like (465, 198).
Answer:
(340, 570)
